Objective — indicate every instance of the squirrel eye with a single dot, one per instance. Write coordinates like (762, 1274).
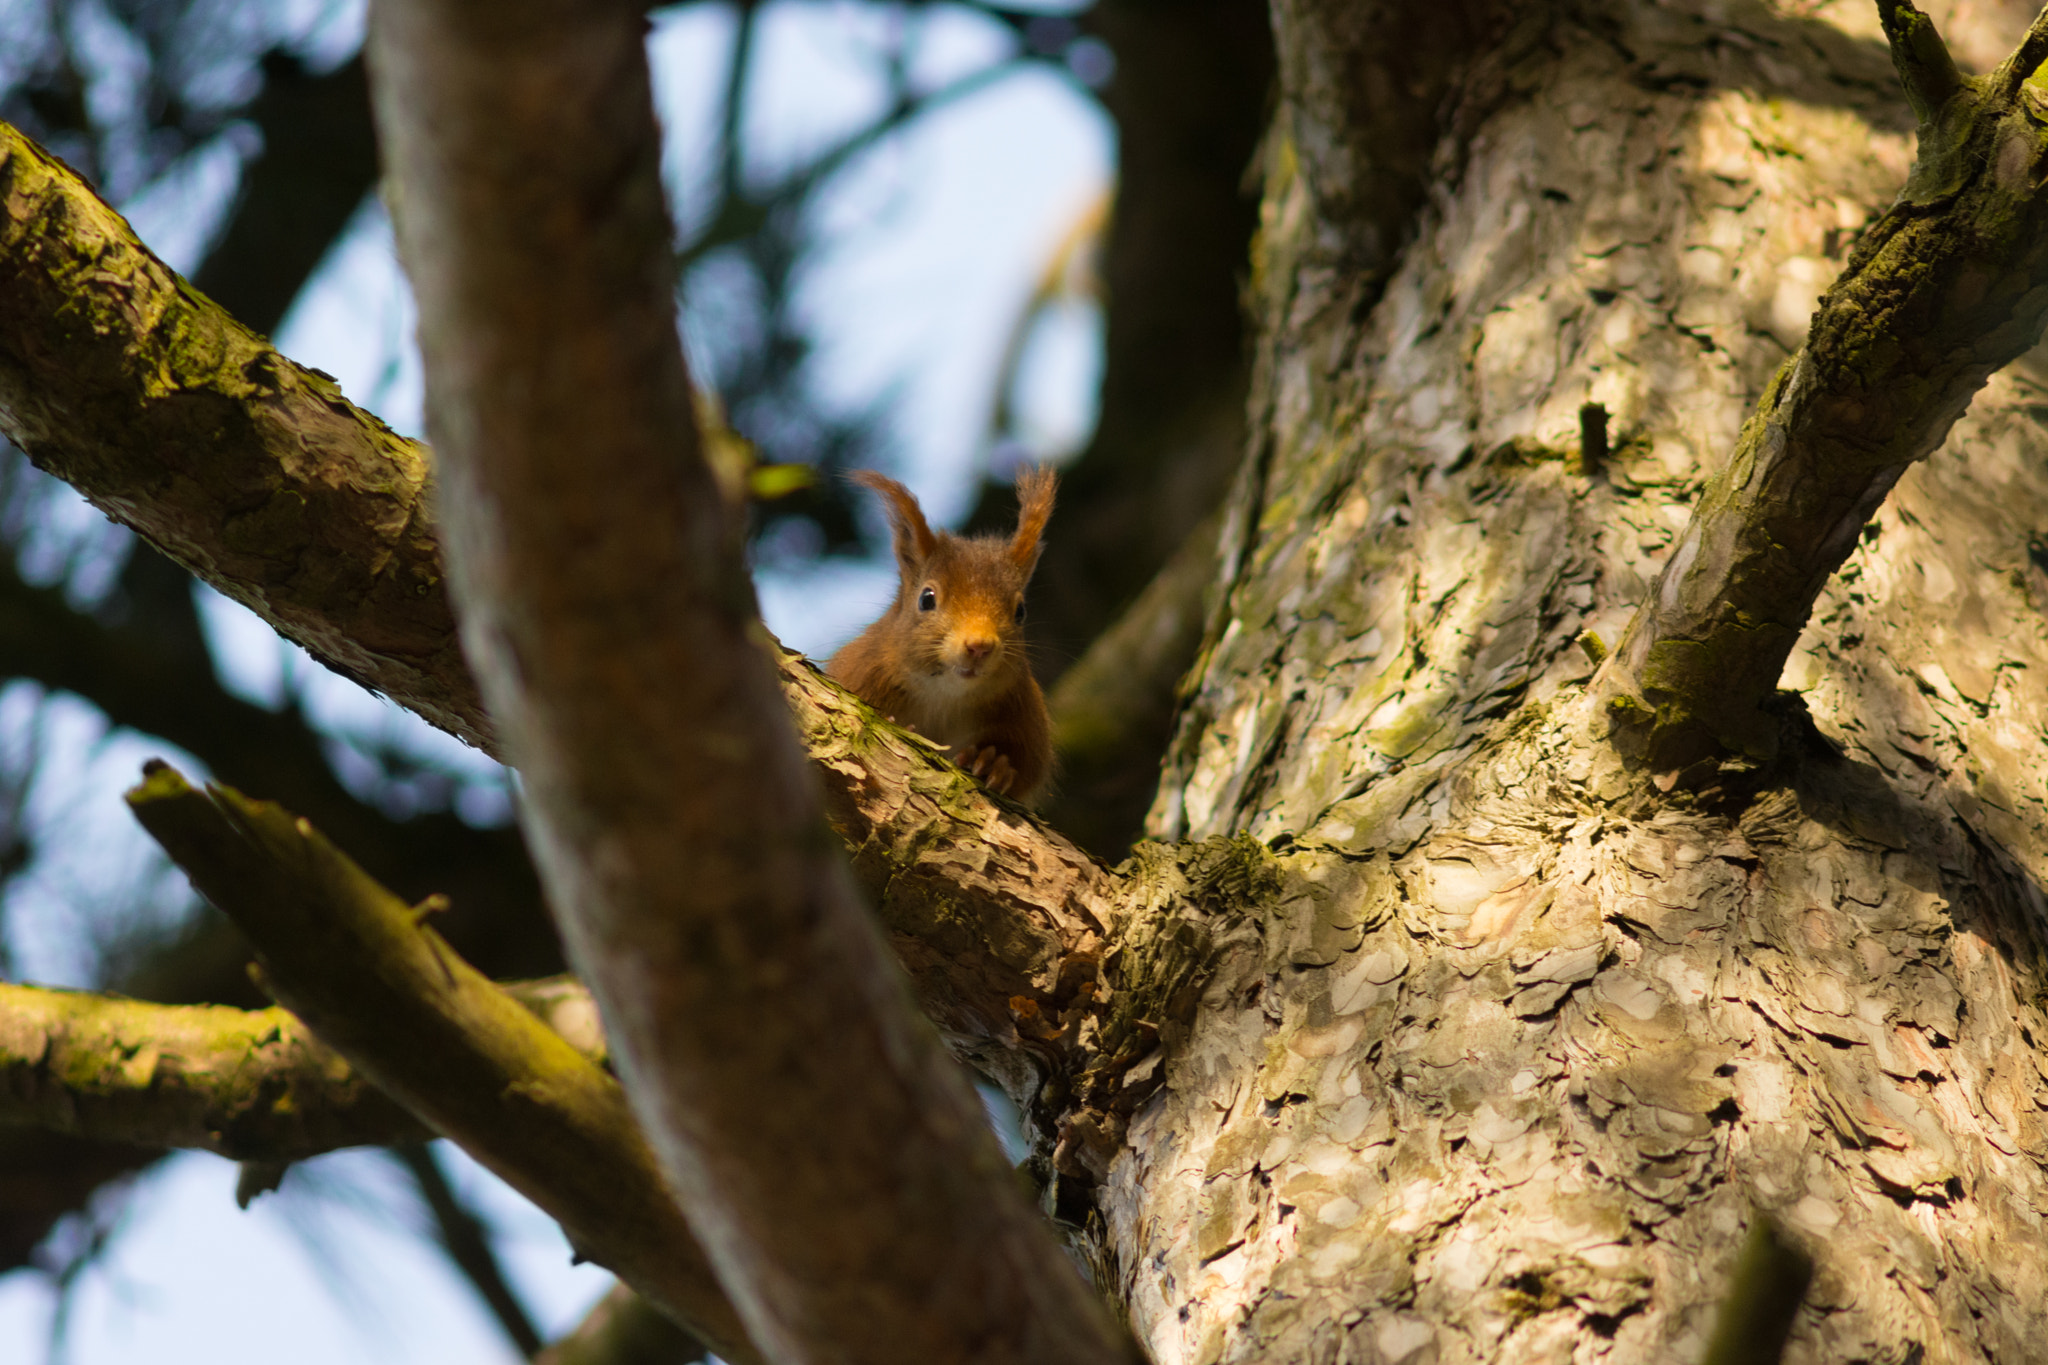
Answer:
(1019, 613)
(927, 600)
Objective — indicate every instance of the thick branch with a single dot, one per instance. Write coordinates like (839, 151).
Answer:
(980, 916)
(66, 1129)
(253, 472)
(386, 992)
(1944, 289)
(832, 1160)
(253, 1085)
(986, 907)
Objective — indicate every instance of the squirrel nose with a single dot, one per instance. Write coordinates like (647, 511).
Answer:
(976, 650)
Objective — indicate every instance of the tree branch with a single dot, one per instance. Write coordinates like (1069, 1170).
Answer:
(251, 1085)
(1926, 70)
(1949, 285)
(386, 992)
(468, 1245)
(985, 903)
(252, 472)
(986, 907)
(834, 1163)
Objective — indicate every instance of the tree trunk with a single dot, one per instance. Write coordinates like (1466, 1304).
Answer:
(1508, 1042)
(1490, 1009)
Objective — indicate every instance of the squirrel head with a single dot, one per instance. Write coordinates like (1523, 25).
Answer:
(959, 610)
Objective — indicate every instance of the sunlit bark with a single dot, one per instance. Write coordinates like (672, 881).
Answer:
(1512, 1092)
(1446, 1029)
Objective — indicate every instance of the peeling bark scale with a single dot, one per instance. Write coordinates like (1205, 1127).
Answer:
(1507, 1059)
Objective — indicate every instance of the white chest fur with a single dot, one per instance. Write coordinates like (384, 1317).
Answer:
(946, 708)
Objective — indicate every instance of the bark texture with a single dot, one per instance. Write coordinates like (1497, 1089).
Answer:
(1519, 1040)
(1443, 1032)
(96, 323)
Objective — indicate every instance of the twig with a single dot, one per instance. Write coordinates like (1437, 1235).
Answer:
(468, 1244)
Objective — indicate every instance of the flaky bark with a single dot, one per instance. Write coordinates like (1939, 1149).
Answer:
(1946, 287)
(832, 1160)
(322, 541)
(1507, 1080)
(891, 798)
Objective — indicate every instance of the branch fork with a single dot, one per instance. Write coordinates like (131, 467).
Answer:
(1946, 287)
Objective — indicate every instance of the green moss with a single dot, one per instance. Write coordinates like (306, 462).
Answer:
(1410, 730)
(160, 782)
(1523, 453)
(1630, 710)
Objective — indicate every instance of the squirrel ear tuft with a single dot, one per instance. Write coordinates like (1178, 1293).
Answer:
(1035, 487)
(914, 539)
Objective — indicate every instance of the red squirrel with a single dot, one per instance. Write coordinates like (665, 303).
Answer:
(948, 658)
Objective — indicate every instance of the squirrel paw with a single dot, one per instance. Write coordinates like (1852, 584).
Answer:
(992, 766)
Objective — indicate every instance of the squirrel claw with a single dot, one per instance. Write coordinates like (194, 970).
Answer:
(992, 766)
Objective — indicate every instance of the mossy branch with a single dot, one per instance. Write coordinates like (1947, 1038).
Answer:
(251, 1085)
(378, 985)
(1943, 290)
(288, 499)
(1925, 68)
(254, 473)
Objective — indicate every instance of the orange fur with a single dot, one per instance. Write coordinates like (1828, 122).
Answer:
(957, 673)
